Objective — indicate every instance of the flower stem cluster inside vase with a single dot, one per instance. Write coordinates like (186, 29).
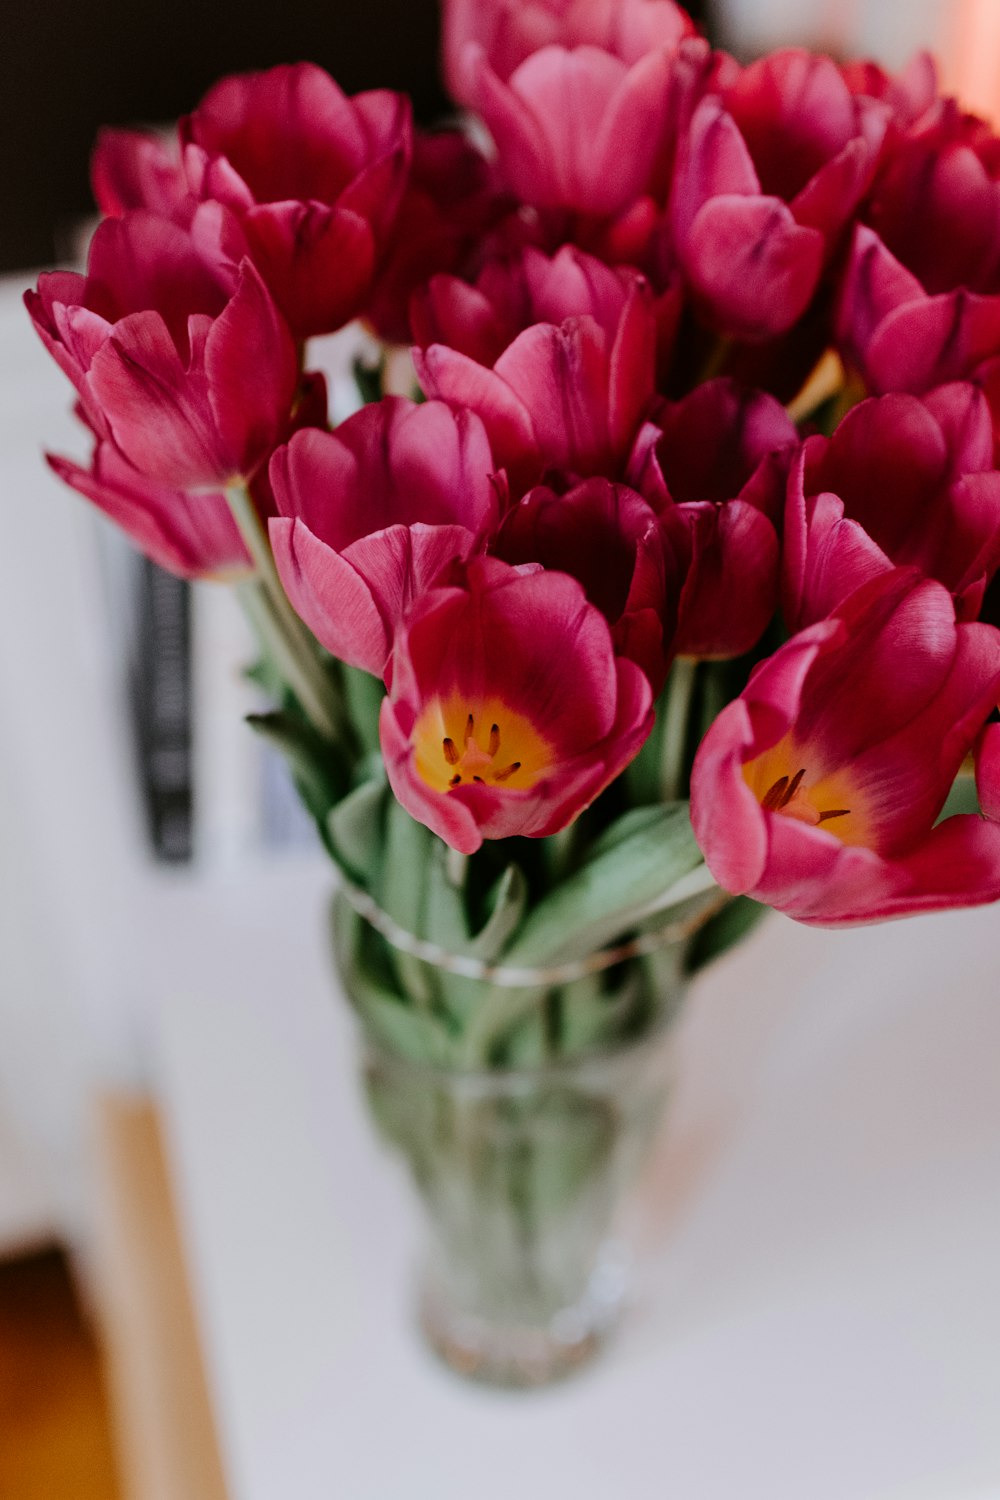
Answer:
(524, 1178)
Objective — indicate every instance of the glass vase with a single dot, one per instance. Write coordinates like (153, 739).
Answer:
(522, 1168)
(523, 1176)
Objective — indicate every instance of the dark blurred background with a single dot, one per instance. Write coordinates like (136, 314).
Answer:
(67, 68)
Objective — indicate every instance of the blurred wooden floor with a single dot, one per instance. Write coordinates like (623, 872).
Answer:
(55, 1440)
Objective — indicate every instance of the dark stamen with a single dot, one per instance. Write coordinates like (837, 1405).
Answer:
(451, 755)
(479, 779)
(470, 727)
(793, 786)
(782, 792)
(773, 798)
(494, 738)
(507, 771)
(836, 812)
(455, 780)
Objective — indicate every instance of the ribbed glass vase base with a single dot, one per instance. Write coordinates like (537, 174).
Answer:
(523, 1355)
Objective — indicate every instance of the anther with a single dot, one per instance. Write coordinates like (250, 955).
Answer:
(837, 812)
(494, 738)
(507, 771)
(794, 786)
(451, 754)
(775, 795)
(470, 727)
(455, 780)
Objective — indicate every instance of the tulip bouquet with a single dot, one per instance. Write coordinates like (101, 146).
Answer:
(660, 587)
(693, 495)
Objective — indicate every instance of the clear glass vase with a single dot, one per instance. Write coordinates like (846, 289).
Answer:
(523, 1175)
(523, 1100)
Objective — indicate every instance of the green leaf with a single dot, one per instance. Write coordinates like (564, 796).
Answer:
(738, 917)
(355, 827)
(446, 920)
(961, 799)
(369, 379)
(408, 846)
(633, 867)
(507, 902)
(385, 1014)
(634, 863)
(317, 768)
(363, 695)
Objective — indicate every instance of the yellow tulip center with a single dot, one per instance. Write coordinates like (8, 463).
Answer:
(781, 782)
(489, 743)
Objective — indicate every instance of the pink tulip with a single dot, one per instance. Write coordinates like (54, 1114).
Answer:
(191, 535)
(606, 537)
(775, 164)
(511, 295)
(713, 466)
(314, 178)
(920, 302)
(909, 94)
(136, 169)
(183, 362)
(570, 390)
(579, 129)
(370, 516)
(508, 711)
(818, 790)
(509, 31)
(903, 481)
(447, 213)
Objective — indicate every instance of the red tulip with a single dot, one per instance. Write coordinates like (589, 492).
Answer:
(191, 535)
(181, 361)
(579, 129)
(903, 481)
(370, 516)
(508, 711)
(818, 790)
(511, 30)
(448, 210)
(713, 466)
(909, 94)
(920, 303)
(774, 166)
(314, 178)
(568, 392)
(606, 537)
(136, 169)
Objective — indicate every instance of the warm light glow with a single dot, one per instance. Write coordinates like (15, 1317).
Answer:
(458, 742)
(971, 55)
(784, 782)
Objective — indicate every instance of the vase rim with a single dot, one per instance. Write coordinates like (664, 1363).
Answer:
(531, 976)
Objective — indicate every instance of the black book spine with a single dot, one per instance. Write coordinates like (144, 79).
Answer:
(161, 699)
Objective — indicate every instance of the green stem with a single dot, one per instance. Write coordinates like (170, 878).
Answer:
(284, 636)
(502, 1008)
(673, 767)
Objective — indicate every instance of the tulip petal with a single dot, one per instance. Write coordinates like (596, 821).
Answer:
(252, 372)
(754, 267)
(161, 424)
(353, 600)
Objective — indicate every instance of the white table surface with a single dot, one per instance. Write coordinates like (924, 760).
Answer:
(820, 1315)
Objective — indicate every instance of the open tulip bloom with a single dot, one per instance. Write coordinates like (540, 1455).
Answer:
(668, 590)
